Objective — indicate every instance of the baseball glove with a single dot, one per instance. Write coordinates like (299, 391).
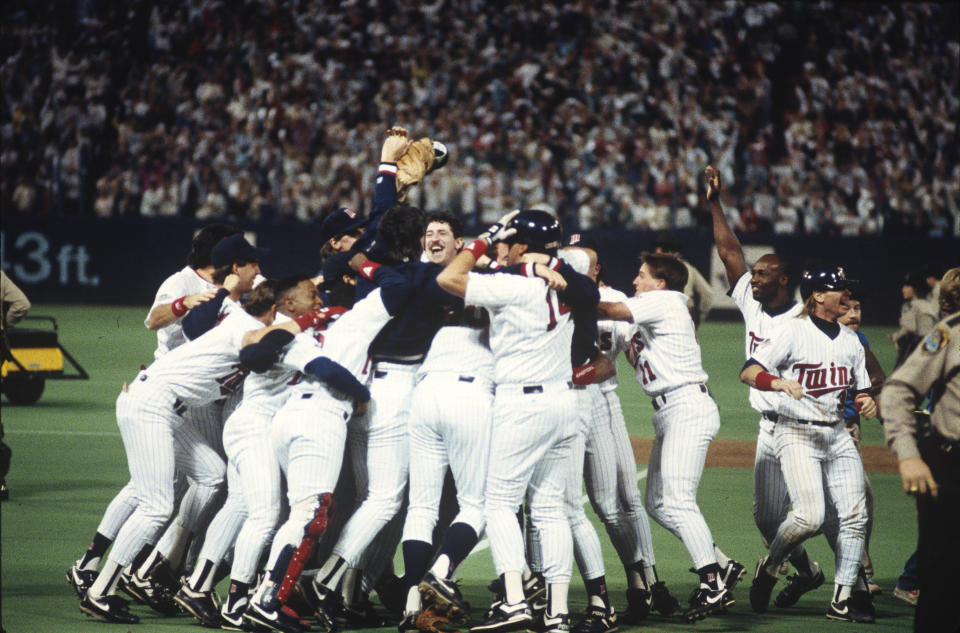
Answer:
(434, 621)
(420, 159)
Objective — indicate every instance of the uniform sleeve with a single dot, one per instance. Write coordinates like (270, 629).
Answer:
(646, 308)
(906, 387)
(741, 293)
(775, 352)
(497, 290)
(204, 316)
(861, 375)
(168, 291)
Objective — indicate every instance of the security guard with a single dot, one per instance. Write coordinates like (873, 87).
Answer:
(929, 456)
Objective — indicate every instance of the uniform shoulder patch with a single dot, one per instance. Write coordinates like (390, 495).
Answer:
(935, 340)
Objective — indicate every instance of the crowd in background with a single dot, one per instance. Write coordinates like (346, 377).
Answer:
(823, 118)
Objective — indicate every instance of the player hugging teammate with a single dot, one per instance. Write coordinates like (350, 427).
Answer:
(411, 353)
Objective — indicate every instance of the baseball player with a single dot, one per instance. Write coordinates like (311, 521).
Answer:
(813, 362)
(149, 414)
(534, 410)
(177, 295)
(458, 368)
(309, 433)
(666, 356)
(250, 514)
(763, 296)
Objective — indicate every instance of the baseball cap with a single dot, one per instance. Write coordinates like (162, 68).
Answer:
(234, 249)
(340, 222)
(668, 243)
(824, 278)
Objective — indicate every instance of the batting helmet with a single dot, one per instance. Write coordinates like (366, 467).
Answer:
(824, 278)
(538, 230)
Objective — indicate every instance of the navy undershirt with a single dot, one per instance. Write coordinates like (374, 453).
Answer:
(830, 328)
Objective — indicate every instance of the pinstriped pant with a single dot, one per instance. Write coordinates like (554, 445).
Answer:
(684, 427)
(816, 459)
(586, 543)
(610, 472)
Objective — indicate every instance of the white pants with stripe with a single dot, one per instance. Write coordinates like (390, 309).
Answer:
(586, 543)
(610, 473)
(379, 450)
(684, 427)
(450, 425)
(531, 447)
(818, 460)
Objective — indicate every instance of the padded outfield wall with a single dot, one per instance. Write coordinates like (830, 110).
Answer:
(123, 261)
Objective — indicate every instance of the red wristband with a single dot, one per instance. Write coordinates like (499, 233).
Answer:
(585, 374)
(178, 308)
(764, 381)
(477, 248)
(306, 321)
(368, 269)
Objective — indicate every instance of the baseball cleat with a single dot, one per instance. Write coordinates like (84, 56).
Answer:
(761, 588)
(557, 624)
(359, 616)
(153, 596)
(201, 605)
(639, 602)
(847, 611)
(323, 602)
(662, 601)
(409, 623)
(445, 595)
(231, 615)
(81, 579)
(505, 617)
(283, 619)
(732, 574)
(596, 620)
(705, 601)
(111, 608)
(797, 585)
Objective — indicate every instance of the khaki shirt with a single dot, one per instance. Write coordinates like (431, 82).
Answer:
(917, 317)
(935, 364)
(15, 303)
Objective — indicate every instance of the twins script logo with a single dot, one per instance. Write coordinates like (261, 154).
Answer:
(814, 378)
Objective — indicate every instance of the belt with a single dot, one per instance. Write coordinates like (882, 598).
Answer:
(532, 389)
(413, 359)
(774, 417)
(938, 442)
(465, 378)
(659, 401)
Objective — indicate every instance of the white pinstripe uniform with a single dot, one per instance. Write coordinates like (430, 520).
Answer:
(309, 431)
(182, 283)
(450, 425)
(249, 517)
(151, 425)
(770, 499)
(669, 369)
(610, 468)
(534, 418)
(811, 440)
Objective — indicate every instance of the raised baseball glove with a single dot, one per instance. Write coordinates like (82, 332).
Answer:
(433, 620)
(421, 158)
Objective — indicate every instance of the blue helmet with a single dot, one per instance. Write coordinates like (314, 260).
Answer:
(824, 278)
(537, 229)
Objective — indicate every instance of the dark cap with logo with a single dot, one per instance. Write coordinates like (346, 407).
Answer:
(824, 278)
(340, 222)
(233, 249)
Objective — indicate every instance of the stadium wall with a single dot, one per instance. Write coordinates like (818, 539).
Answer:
(123, 261)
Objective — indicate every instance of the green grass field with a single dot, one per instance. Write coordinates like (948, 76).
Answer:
(68, 462)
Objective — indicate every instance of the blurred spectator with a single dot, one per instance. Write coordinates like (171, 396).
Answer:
(607, 112)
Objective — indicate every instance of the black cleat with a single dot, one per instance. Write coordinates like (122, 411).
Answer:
(81, 580)
(596, 620)
(200, 604)
(360, 616)
(408, 624)
(445, 596)
(505, 617)
(706, 601)
(151, 595)
(662, 601)
(761, 588)
(848, 611)
(797, 585)
(639, 602)
(324, 604)
(110, 608)
(732, 574)
(281, 619)
(557, 624)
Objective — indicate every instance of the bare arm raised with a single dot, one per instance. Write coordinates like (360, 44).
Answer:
(728, 246)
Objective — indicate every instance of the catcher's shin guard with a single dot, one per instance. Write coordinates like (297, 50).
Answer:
(312, 531)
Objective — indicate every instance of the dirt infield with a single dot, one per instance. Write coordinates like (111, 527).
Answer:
(735, 454)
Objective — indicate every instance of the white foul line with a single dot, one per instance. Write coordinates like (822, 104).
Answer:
(43, 432)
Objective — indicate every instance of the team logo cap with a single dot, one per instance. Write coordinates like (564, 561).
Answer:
(824, 278)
